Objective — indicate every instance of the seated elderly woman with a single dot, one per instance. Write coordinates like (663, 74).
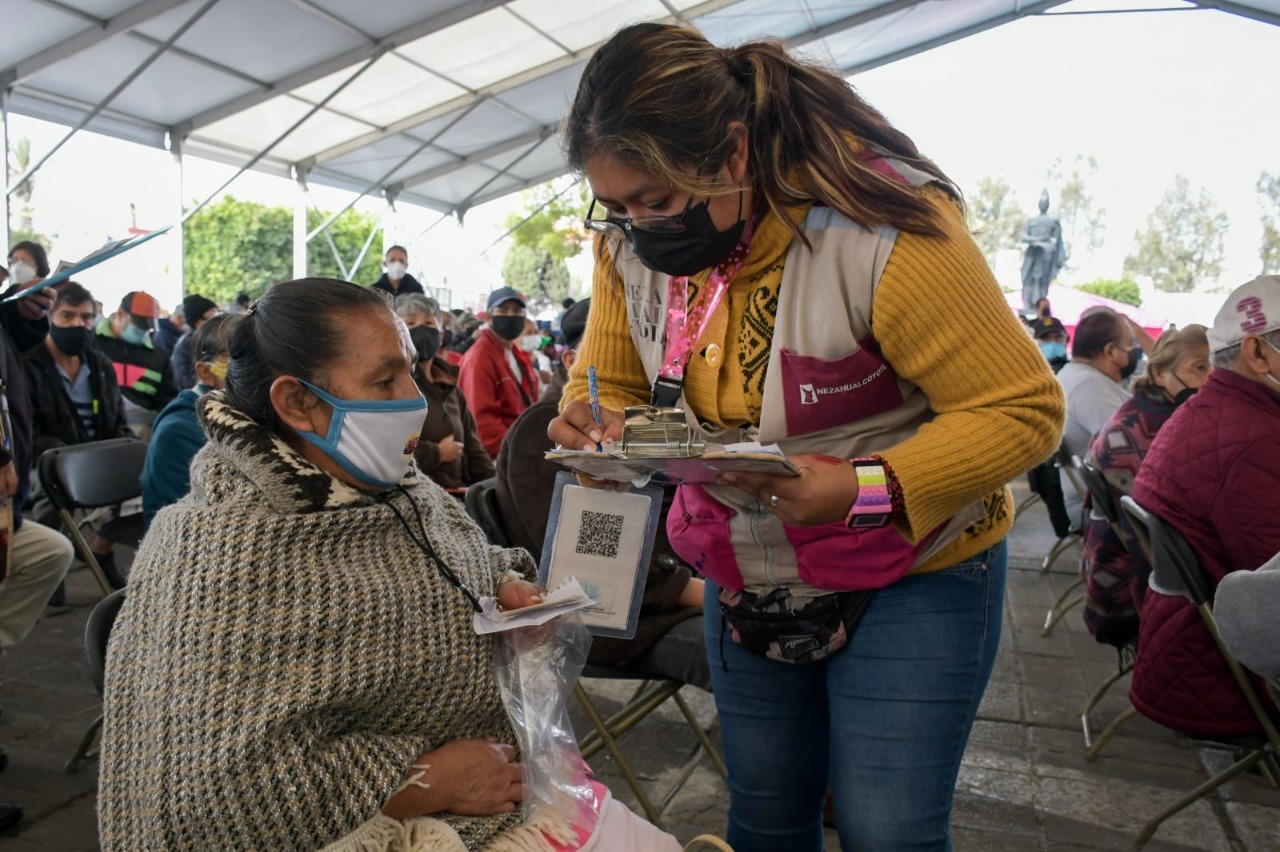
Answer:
(1114, 569)
(294, 666)
(449, 450)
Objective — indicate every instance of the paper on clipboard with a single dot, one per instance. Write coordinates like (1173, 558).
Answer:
(693, 470)
(92, 259)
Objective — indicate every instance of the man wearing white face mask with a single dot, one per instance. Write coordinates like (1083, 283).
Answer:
(396, 280)
(1213, 473)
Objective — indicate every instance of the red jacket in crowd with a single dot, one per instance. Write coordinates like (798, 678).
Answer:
(1213, 473)
(493, 392)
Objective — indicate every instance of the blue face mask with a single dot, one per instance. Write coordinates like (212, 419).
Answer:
(373, 440)
(1053, 350)
(134, 335)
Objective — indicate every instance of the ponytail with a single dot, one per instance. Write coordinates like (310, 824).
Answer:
(661, 99)
(293, 330)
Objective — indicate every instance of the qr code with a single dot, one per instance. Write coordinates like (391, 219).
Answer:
(599, 535)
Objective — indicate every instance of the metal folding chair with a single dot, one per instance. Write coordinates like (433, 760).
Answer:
(1176, 570)
(92, 476)
(96, 633)
(481, 503)
(1064, 602)
(650, 694)
(1100, 496)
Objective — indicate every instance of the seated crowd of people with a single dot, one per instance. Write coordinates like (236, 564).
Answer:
(485, 386)
(1194, 438)
(1188, 424)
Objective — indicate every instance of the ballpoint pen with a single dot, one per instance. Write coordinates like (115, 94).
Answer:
(594, 390)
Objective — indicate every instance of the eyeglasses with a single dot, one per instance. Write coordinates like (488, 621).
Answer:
(616, 226)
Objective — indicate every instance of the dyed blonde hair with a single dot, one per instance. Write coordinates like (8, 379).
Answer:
(1171, 348)
(660, 99)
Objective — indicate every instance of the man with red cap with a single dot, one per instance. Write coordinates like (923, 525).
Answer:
(142, 369)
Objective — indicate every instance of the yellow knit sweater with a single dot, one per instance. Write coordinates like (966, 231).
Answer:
(940, 320)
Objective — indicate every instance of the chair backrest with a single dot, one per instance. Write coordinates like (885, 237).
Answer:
(1070, 465)
(1096, 484)
(1045, 481)
(100, 473)
(96, 633)
(482, 505)
(1169, 547)
(1175, 568)
(1140, 520)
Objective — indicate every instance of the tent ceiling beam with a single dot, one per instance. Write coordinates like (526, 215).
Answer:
(550, 174)
(955, 35)
(404, 160)
(1240, 9)
(501, 86)
(333, 64)
(85, 39)
(495, 150)
(335, 20)
(113, 94)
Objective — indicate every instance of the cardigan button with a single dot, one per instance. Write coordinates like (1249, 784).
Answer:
(713, 354)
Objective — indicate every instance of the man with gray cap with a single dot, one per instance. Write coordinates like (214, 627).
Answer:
(668, 640)
(496, 377)
(1213, 473)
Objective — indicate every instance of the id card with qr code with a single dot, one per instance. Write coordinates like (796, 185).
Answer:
(604, 539)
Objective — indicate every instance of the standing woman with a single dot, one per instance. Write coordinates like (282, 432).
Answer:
(780, 262)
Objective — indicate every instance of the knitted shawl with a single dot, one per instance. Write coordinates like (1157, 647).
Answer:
(284, 654)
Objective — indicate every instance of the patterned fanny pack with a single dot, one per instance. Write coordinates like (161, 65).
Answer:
(778, 626)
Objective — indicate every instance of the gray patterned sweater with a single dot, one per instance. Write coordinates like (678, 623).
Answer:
(286, 651)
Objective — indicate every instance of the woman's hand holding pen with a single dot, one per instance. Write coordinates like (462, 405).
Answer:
(576, 429)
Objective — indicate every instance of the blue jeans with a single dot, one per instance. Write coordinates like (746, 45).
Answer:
(884, 721)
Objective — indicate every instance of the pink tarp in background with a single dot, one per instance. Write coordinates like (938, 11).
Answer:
(1068, 304)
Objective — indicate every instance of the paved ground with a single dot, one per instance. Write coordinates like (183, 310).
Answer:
(1024, 786)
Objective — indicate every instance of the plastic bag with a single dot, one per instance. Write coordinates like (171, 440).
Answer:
(536, 668)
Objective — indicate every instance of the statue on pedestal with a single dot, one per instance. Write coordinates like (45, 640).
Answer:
(1044, 256)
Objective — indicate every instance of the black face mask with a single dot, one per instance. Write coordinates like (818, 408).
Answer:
(426, 341)
(1135, 355)
(696, 248)
(446, 337)
(72, 341)
(1183, 395)
(508, 328)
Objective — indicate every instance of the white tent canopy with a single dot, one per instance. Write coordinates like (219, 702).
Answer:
(441, 103)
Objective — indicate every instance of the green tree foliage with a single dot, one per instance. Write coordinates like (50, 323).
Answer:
(546, 232)
(233, 246)
(536, 273)
(19, 162)
(1120, 290)
(994, 217)
(1269, 198)
(39, 239)
(1073, 205)
(1182, 244)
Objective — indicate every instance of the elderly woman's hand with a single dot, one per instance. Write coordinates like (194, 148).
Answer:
(518, 594)
(467, 777)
